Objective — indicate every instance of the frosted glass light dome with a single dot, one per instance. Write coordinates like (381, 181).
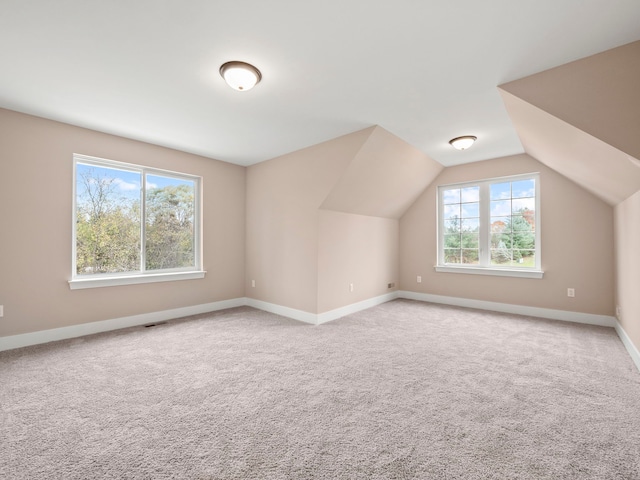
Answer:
(462, 143)
(240, 76)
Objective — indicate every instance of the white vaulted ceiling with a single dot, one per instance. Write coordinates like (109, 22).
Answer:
(425, 71)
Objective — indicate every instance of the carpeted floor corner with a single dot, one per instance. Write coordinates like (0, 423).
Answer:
(405, 390)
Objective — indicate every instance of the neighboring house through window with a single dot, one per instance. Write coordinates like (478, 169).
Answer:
(134, 224)
(490, 227)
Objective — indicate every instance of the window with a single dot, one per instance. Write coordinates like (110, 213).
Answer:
(133, 224)
(490, 227)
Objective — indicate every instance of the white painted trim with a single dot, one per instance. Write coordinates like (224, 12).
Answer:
(73, 331)
(484, 201)
(94, 282)
(355, 307)
(105, 280)
(292, 313)
(317, 319)
(499, 272)
(564, 315)
(628, 344)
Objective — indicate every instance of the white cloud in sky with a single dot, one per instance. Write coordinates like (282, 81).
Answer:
(471, 194)
(527, 193)
(125, 186)
(500, 208)
(451, 196)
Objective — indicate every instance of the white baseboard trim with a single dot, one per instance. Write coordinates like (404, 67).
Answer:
(355, 307)
(628, 344)
(73, 331)
(576, 317)
(292, 313)
(317, 319)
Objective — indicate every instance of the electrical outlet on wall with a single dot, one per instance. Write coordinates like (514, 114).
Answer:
(419, 279)
(351, 287)
(571, 292)
(1, 310)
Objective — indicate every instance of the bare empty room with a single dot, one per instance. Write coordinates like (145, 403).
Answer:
(350, 240)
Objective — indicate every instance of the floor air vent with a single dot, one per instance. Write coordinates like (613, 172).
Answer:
(155, 324)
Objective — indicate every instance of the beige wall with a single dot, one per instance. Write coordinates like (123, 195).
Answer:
(283, 198)
(358, 250)
(627, 233)
(383, 179)
(581, 119)
(303, 255)
(36, 175)
(603, 170)
(596, 94)
(577, 245)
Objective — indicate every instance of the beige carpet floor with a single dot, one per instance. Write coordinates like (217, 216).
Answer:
(405, 390)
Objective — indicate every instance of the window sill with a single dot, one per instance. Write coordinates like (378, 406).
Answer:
(94, 282)
(500, 272)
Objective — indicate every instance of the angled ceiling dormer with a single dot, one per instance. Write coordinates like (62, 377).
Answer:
(596, 166)
(583, 120)
(384, 178)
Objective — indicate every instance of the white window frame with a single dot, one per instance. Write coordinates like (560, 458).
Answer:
(484, 267)
(141, 276)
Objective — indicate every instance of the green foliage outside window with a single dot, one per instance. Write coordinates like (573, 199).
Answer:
(169, 239)
(108, 222)
(512, 242)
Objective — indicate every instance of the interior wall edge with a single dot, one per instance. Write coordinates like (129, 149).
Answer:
(355, 307)
(292, 313)
(628, 344)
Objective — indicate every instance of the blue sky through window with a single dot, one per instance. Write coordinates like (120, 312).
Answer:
(126, 184)
(500, 191)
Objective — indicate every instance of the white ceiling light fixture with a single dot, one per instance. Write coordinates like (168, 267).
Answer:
(240, 76)
(462, 143)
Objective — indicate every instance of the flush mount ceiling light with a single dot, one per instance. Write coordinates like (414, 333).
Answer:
(462, 143)
(240, 75)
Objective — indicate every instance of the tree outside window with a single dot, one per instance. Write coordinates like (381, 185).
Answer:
(132, 219)
(490, 223)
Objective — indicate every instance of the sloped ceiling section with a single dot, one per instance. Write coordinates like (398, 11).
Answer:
(384, 178)
(583, 120)
(593, 164)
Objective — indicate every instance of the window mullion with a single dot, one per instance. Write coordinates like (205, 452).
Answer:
(440, 232)
(508, 210)
(485, 222)
(176, 204)
(143, 222)
(538, 248)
